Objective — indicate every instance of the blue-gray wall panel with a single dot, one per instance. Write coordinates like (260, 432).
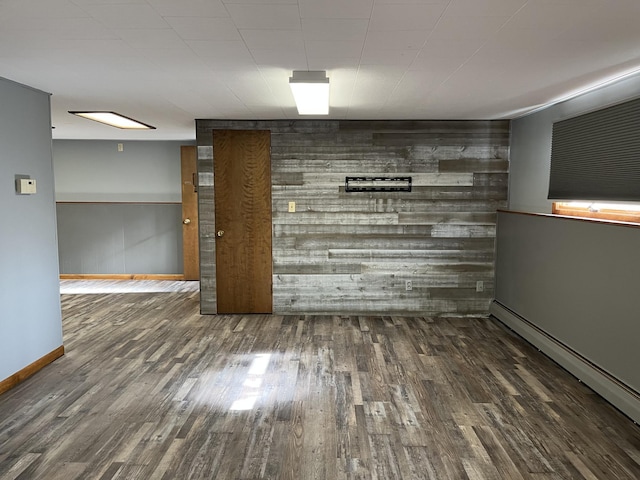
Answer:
(95, 171)
(576, 281)
(108, 238)
(30, 318)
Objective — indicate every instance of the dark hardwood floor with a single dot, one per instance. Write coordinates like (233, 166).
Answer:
(150, 389)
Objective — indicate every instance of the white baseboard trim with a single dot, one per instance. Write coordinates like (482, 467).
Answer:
(606, 385)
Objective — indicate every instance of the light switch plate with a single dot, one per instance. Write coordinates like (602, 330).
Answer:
(292, 207)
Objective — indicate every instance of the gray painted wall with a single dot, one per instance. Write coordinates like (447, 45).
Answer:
(94, 171)
(125, 238)
(569, 286)
(30, 318)
(576, 281)
(531, 143)
(569, 281)
(353, 252)
(118, 212)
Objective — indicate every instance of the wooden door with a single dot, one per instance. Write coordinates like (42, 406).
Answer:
(190, 241)
(242, 191)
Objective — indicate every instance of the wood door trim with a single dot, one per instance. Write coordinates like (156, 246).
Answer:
(117, 203)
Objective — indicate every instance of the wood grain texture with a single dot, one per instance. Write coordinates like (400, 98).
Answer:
(460, 178)
(151, 389)
(121, 276)
(242, 175)
(31, 369)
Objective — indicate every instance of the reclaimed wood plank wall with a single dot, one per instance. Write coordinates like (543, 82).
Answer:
(353, 252)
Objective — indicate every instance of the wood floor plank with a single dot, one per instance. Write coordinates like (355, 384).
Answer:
(151, 389)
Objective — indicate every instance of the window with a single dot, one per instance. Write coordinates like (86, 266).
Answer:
(619, 212)
(597, 155)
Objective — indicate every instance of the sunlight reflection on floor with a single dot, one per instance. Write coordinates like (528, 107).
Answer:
(78, 287)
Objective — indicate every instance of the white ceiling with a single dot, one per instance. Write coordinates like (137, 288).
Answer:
(168, 62)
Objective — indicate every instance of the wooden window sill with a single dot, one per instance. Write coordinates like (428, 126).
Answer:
(627, 216)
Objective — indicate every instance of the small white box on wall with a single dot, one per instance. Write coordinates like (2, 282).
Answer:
(26, 186)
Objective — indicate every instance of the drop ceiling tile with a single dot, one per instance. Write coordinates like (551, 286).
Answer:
(477, 78)
(399, 40)
(421, 2)
(126, 16)
(554, 16)
(274, 2)
(335, 8)
(415, 87)
(285, 39)
(171, 59)
(110, 2)
(607, 27)
(342, 82)
(221, 52)
(497, 59)
(405, 17)
(372, 87)
(335, 49)
(428, 66)
(39, 9)
(346, 29)
(213, 102)
(268, 111)
(231, 75)
(189, 8)
(344, 77)
(468, 28)
(251, 89)
(280, 17)
(160, 38)
(204, 28)
(294, 59)
(479, 68)
(67, 49)
(278, 81)
(194, 102)
(333, 64)
(484, 8)
(509, 39)
(438, 48)
(73, 28)
(629, 7)
(397, 58)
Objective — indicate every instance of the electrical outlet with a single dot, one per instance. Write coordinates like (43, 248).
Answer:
(408, 285)
(479, 286)
(120, 147)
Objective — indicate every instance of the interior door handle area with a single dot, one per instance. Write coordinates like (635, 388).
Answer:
(220, 233)
(186, 221)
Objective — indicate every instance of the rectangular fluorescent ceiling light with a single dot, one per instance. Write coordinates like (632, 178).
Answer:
(115, 120)
(311, 92)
